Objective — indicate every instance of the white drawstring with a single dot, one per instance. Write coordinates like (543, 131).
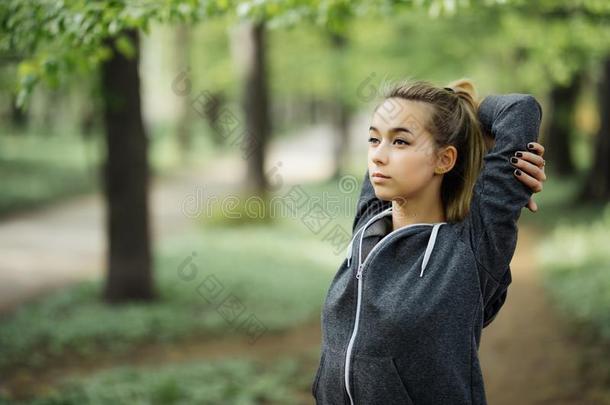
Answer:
(427, 254)
(430, 246)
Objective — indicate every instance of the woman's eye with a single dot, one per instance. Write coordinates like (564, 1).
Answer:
(402, 141)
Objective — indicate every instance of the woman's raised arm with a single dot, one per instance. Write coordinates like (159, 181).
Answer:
(513, 120)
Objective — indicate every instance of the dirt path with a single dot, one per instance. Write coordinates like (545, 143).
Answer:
(64, 243)
(49, 248)
(526, 354)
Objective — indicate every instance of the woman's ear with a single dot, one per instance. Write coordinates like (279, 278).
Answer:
(446, 159)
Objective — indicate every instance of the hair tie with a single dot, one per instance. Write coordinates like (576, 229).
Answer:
(449, 89)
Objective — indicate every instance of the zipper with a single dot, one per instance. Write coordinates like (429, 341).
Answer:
(359, 296)
(351, 244)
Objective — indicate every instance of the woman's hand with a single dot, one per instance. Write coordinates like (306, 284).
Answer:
(530, 169)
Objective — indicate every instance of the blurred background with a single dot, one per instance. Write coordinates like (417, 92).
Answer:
(178, 180)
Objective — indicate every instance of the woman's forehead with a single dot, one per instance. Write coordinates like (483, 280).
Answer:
(397, 112)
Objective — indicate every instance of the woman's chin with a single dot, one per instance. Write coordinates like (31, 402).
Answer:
(383, 196)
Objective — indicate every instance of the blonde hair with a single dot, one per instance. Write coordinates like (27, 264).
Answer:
(454, 121)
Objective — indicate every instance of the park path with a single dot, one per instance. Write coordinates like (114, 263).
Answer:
(527, 354)
(64, 243)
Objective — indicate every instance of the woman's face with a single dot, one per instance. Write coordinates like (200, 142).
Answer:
(401, 148)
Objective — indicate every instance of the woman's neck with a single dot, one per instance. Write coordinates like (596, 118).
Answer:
(415, 211)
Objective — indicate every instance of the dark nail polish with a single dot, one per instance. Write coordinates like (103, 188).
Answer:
(518, 172)
(519, 154)
(514, 160)
(530, 146)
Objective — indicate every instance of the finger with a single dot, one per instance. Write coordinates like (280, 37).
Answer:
(536, 148)
(531, 157)
(533, 184)
(532, 206)
(532, 170)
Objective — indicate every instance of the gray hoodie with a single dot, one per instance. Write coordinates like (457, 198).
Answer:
(402, 318)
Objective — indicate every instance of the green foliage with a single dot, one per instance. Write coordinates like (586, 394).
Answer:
(575, 260)
(336, 15)
(55, 39)
(541, 51)
(234, 381)
(279, 273)
(212, 67)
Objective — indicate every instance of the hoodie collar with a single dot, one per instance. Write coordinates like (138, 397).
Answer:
(381, 225)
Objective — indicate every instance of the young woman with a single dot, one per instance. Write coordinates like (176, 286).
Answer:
(434, 233)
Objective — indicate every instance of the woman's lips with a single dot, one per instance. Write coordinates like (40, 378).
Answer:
(379, 178)
(383, 176)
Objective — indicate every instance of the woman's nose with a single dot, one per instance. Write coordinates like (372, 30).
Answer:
(379, 155)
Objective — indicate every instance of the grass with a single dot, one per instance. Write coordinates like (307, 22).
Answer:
(227, 381)
(279, 273)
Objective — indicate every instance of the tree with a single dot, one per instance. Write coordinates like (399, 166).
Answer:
(597, 184)
(183, 128)
(563, 101)
(250, 46)
(129, 274)
(60, 39)
(571, 41)
(342, 111)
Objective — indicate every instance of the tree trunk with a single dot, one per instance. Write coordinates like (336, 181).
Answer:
(19, 117)
(597, 185)
(183, 60)
(558, 143)
(341, 120)
(213, 111)
(129, 275)
(341, 112)
(252, 49)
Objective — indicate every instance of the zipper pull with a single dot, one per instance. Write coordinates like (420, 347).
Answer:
(349, 253)
(359, 273)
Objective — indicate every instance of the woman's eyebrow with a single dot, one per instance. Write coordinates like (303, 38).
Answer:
(396, 129)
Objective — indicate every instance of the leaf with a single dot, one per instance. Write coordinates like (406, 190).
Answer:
(125, 46)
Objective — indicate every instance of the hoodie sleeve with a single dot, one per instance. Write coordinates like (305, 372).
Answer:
(368, 204)
(496, 299)
(491, 226)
